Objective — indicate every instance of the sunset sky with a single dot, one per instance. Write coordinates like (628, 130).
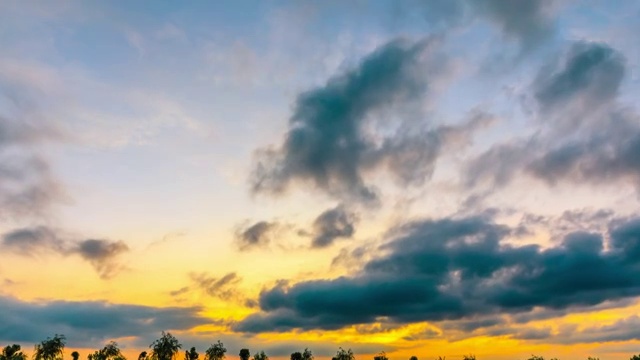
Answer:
(420, 177)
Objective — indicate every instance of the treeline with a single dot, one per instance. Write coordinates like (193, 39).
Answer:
(167, 347)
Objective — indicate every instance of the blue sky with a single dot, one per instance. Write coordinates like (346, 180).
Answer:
(227, 160)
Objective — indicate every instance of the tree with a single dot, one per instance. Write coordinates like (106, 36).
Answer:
(142, 356)
(414, 358)
(534, 357)
(260, 356)
(635, 357)
(381, 356)
(244, 354)
(307, 355)
(12, 352)
(296, 356)
(50, 349)
(469, 357)
(75, 355)
(109, 352)
(215, 351)
(191, 354)
(164, 348)
(343, 354)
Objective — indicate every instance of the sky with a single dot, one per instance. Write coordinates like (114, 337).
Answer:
(419, 177)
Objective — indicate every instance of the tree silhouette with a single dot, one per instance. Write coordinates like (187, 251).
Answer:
(307, 355)
(381, 356)
(75, 355)
(216, 351)
(260, 356)
(165, 348)
(296, 355)
(343, 354)
(469, 357)
(109, 352)
(415, 358)
(635, 357)
(191, 354)
(142, 356)
(50, 349)
(12, 352)
(244, 354)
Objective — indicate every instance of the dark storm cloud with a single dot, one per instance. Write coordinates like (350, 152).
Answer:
(332, 224)
(89, 323)
(100, 253)
(255, 235)
(458, 269)
(330, 143)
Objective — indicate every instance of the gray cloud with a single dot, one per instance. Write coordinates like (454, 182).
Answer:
(27, 185)
(587, 138)
(41, 240)
(101, 254)
(591, 74)
(331, 143)
(255, 235)
(332, 224)
(457, 269)
(32, 241)
(224, 288)
(89, 323)
(528, 21)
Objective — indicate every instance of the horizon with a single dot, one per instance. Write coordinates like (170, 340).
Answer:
(417, 177)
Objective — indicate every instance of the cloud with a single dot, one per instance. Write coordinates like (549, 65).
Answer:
(255, 235)
(101, 254)
(41, 240)
(332, 142)
(585, 79)
(332, 224)
(224, 288)
(90, 323)
(452, 269)
(31, 241)
(587, 136)
(528, 21)
(27, 184)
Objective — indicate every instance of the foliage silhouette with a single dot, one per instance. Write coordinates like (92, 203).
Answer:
(344, 355)
(75, 355)
(109, 352)
(191, 354)
(216, 351)
(381, 356)
(469, 357)
(142, 356)
(50, 349)
(244, 354)
(12, 352)
(260, 356)
(164, 348)
(413, 358)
